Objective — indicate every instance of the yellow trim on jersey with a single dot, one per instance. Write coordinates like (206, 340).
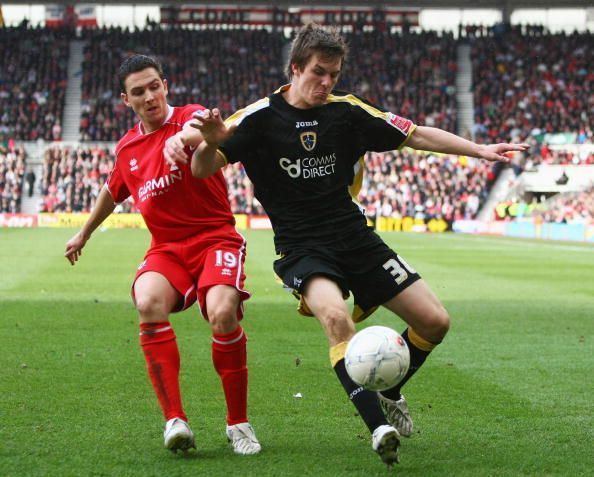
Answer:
(283, 88)
(420, 342)
(352, 99)
(413, 129)
(376, 113)
(303, 308)
(241, 114)
(222, 154)
(337, 352)
(357, 183)
(359, 314)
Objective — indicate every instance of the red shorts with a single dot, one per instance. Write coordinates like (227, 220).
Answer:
(195, 264)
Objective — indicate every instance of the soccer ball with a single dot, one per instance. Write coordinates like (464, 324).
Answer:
(377, 358)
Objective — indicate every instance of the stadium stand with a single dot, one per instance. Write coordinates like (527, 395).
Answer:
(408, 183)
(12, 174)
(73, 177)
(575, 207)
(519, 94)
(412, 74)
(529, 82)
(241, 191)
(33, 78)
(247, 66)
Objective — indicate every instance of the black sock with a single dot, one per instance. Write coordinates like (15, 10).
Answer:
(365, 401)
(417, 358)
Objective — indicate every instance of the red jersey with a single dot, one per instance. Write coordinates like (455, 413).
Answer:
(174, 204)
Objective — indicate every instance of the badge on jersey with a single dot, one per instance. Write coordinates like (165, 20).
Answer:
(308, 140)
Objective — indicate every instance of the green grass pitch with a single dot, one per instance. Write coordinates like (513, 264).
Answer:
(508, 393)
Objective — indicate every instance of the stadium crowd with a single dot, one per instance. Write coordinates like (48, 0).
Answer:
(408, 183)
(570, 208)
(411, 74)
(528, 83)
(396, 184)
(12, 175)
(33, 80)
(247, 65)
(73, 177)
(520, 94)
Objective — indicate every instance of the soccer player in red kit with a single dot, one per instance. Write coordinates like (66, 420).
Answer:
(195, 254)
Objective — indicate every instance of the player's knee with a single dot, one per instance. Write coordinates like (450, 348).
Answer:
(438, 324)
(337, 323)
(222, 317)
(151, 307)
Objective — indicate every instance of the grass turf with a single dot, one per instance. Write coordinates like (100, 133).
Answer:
(509, 392)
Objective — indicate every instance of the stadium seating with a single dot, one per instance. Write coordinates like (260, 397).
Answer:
(575, 207)
(409, 183)
(411, 74)
(520, 94)
(12, 173)
(227, 69)
(530, 82)
(33, 79)
(73, 177)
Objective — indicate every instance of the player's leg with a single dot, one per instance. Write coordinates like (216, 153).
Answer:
(221, 298)
(229, 350)
(428, 324)
(325, 300)
(155, 298)
(229, 356)
(379, 276)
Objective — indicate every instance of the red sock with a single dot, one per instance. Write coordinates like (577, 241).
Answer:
(230, 360)
(162, 363)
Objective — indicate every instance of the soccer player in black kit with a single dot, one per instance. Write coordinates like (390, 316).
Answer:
(303, 147)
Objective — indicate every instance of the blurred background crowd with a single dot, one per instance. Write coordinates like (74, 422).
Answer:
(527, 84)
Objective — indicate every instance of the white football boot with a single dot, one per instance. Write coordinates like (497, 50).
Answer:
(243, 439)
(397, 414)
(178, 435)
(385, 441)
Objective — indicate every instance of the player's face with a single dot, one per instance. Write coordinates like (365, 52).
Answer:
(146, 94)
(312, 85)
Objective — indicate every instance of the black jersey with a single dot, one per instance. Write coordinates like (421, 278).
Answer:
(305, 164)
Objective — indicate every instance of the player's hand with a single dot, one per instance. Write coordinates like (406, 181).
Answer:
(174, 149)
(211, 125)
(497, 152)
(74, 247)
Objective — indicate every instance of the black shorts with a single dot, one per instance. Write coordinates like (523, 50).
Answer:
(364, 266)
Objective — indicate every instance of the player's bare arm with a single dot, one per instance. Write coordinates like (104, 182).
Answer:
(437, 140)
(103, 208)
(211, 125)
(207, 160)
(174, 146)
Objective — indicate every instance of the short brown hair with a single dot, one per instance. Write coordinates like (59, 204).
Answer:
(314, 38)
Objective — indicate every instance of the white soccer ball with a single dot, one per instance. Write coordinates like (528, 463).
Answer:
(377, 358)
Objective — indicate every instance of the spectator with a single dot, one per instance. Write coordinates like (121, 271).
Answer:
(30, 179)
(73, 178)
(247, 64)
(12, 173)
(529, 82)
(33, 77)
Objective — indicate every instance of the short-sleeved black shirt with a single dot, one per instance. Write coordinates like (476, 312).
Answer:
(304, 162)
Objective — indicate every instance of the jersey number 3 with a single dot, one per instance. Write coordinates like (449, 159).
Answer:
(398, 269)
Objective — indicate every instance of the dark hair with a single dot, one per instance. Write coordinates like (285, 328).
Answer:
(136, 63)
(314, 38)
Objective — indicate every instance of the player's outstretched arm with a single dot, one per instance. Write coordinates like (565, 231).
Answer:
(206, 160)
(437, 140)
(174, 150)
(103, 208)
